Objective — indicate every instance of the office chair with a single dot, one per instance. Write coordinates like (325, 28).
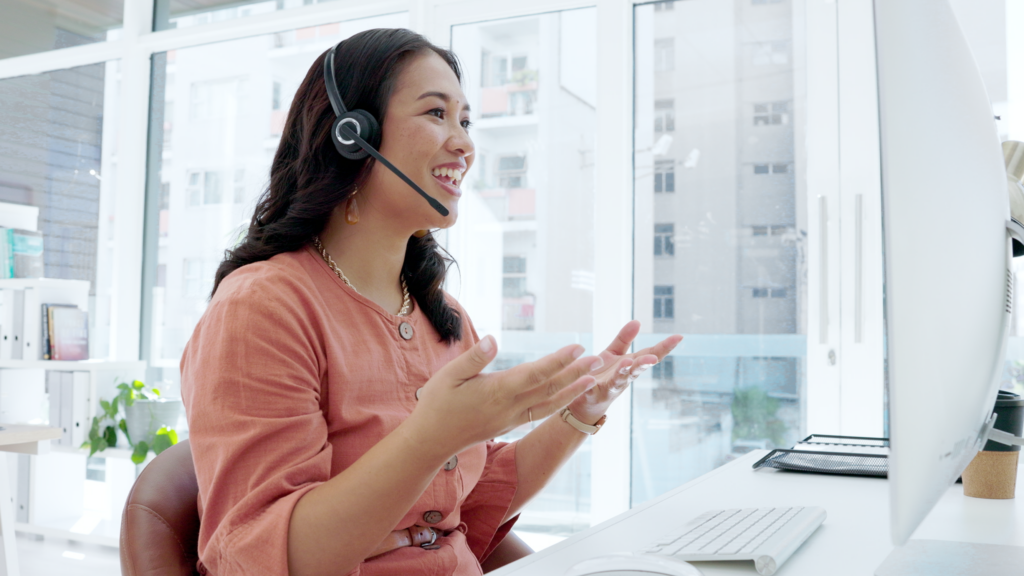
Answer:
(160, 524)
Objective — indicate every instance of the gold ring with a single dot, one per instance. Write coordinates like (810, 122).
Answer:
(529, 414)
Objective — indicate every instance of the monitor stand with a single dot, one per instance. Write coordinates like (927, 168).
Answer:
(944, 558)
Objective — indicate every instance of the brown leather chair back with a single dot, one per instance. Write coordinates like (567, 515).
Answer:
(160, 525)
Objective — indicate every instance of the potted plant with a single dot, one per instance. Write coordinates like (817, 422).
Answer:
(146, 422)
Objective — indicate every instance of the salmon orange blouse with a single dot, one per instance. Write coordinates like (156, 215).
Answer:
(290, 377)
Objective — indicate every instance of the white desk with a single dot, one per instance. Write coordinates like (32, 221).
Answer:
(22, 439)
(854, 539)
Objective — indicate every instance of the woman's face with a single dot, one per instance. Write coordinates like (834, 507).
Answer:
(425, 135)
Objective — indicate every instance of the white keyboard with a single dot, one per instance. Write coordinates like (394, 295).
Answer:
(768, 536)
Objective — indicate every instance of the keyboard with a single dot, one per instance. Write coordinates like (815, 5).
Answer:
(768, 536)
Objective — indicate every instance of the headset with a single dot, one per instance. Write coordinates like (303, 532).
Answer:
(356, 133)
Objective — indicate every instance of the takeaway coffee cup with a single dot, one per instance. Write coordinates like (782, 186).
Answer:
(993, 472)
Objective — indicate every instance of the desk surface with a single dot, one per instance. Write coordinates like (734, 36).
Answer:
(853, 540)
(24, 433)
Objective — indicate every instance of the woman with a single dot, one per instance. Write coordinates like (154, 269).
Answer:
(336, 408)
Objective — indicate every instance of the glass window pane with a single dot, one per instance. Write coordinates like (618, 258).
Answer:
(531, 83)
(187, 13)
(56, 153)
(213, 166)
(741, 287)
(33, 27)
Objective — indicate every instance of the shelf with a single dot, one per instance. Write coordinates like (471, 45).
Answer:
(22, 283)
(74, 365)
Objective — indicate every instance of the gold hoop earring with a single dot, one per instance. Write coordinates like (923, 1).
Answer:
(352, 211)
(421, 233)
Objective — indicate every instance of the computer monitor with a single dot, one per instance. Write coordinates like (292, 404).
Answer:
(948, 283)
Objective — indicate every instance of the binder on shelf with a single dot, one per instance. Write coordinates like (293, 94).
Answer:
(12, 322)
(27, 254)
(69, 405)
(69, 333)
(6, 253)
(47, 331)
(32, 326)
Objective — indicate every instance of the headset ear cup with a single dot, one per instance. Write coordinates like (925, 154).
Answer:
(369, 131)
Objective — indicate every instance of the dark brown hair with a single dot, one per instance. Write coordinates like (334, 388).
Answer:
(308, 178)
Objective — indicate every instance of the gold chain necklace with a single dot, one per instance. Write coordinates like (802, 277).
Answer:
(406, 301)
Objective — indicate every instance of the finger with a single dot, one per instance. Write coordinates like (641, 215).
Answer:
(566, 395)
(472, 361)
(533, 374)
(624, 339)
(641, 365)
(661, 349)
(557, 382)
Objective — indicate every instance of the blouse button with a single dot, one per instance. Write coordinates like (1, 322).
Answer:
(418, 390)
(432, 517)
(451, 463)
(405, 329)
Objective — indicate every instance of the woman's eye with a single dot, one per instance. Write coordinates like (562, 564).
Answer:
(438, 112)
(466, 124)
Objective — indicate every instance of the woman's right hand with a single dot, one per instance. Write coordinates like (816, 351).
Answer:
(460, 407)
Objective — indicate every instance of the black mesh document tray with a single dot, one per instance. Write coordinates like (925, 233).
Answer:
(841, 455)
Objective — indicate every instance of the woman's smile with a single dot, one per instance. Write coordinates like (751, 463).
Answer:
(449, 176)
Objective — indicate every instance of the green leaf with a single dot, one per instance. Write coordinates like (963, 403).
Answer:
(101, 445)
(155, 391)
(139, 454)
(124, 428)
(110, 436)
(113, 404)
(138, 385)
(169, 433)
(161, 443)
(105, 405)
(94, 433)
(123, 386)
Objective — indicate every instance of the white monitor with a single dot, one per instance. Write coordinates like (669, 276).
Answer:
(948, 284)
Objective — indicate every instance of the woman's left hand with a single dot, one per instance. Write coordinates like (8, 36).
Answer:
(620, 369)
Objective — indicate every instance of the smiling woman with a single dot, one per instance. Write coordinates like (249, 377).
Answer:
(339, 417)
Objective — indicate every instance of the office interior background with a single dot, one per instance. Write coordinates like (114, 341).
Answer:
(709, 167)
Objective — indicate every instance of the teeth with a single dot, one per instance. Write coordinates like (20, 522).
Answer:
(454, 173)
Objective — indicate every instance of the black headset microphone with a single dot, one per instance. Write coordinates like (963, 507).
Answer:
(354, 130)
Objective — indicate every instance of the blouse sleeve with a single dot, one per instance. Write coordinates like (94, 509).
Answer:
(251, 385)
(488, 503)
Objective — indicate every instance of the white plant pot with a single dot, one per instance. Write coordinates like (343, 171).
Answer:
(145, 417)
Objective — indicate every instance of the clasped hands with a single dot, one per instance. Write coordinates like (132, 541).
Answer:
(462, 406)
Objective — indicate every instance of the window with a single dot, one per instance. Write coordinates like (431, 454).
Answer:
(664, 370)
(761, 2)
(767, 53)
(664, 116)
(663, 6)
(768, 292)
(769, 230)
(664, 54)
(664, 307)
(513, 277)
(35, 27)
(771, 113)
(203, 188)
(745, 278)
(664, 244)
(776, 168)
(239, 186)
(664, 176)
(275, 96)
(215, 99)
(192, 286)
(511, 172)
(526, 228)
